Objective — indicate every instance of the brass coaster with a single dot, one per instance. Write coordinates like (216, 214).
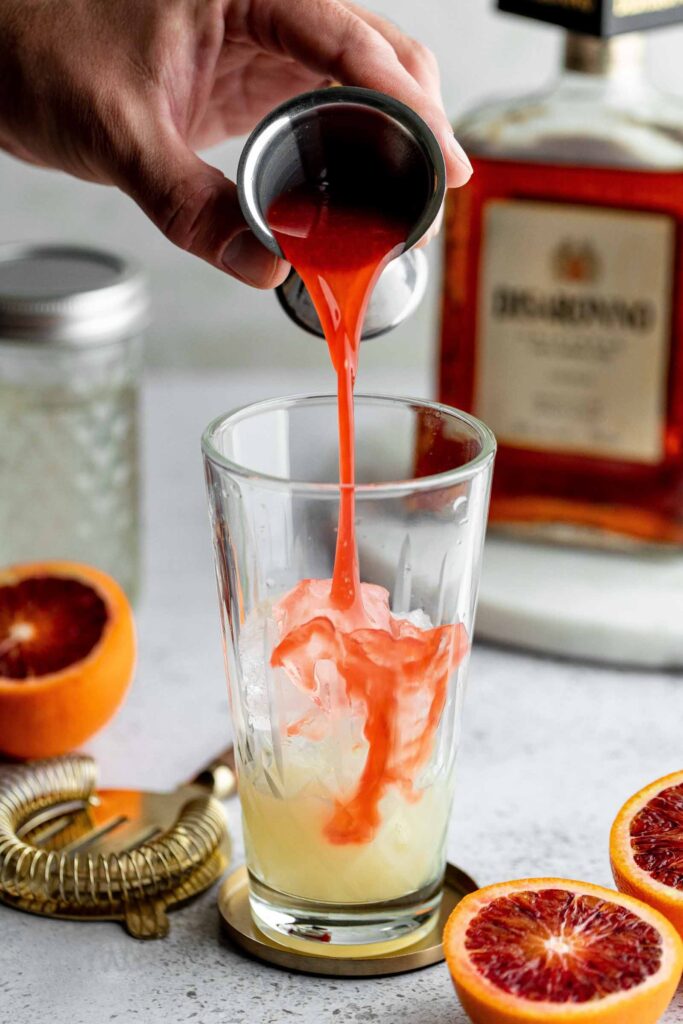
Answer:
(233, 906)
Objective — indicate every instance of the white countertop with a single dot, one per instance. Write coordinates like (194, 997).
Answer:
(550, 752)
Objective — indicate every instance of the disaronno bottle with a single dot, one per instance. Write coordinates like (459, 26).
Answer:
(563, 303)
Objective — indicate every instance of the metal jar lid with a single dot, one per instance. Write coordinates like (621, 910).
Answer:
(69, 296)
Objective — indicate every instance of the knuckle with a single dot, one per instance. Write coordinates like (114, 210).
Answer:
(421, 57)
(180, 210)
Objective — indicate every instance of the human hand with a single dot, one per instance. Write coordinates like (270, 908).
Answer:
(123, 92)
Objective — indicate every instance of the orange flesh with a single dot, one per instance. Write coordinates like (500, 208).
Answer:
(556, 946)
(657, 837)
(47, 624)
(339, 250)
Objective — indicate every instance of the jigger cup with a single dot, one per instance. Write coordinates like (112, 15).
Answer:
(380, 151)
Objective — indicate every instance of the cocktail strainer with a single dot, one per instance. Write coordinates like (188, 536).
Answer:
(67, 850)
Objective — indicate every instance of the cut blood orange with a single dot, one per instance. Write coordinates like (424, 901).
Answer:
(646, 847)
(67, 653)
(545, 949)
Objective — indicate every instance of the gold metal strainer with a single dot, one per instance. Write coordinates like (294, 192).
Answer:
(67, 850)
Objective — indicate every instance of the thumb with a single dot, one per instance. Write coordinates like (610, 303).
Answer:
(197, 208)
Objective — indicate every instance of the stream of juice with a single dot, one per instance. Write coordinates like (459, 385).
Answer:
(339, 247)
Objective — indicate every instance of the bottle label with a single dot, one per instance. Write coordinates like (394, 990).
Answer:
(574, 328)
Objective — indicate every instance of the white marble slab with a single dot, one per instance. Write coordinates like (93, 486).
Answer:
(623, 609)
(550, 751)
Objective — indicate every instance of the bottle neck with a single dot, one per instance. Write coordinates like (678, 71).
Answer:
(620, 59)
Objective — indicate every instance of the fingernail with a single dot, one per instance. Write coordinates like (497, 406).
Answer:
(460, 154)
(246, 258)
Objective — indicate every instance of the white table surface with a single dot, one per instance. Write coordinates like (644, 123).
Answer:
(550, 751)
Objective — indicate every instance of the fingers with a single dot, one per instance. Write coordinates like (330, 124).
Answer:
(417, 59)
(420, 62)
(197, 209)
(330, 37)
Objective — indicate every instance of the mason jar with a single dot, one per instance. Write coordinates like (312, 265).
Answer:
(71, 326)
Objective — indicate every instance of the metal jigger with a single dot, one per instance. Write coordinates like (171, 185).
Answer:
(382, 148)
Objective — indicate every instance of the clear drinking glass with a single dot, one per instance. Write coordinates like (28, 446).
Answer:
(271, 472)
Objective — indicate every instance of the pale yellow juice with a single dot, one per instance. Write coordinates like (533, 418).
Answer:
(288, 850)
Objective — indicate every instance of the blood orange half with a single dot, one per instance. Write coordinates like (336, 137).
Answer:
(546, 949)
(67, 653)
(646, 847)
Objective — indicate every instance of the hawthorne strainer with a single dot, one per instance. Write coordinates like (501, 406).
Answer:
(68, 850)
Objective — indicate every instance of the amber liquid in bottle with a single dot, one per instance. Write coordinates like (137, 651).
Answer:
(562, 327)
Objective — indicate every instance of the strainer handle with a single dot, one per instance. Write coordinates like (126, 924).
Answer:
(220, 776)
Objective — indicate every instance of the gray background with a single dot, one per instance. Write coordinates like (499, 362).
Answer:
(203, 318)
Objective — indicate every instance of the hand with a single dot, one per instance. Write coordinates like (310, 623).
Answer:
(123, 92)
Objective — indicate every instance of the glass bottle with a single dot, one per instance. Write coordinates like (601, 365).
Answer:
(562, 323)
(71, 323)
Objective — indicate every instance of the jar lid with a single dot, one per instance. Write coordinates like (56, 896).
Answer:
(69, 295)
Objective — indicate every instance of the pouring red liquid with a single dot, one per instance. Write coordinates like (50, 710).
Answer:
(339, 247)
(339, 250)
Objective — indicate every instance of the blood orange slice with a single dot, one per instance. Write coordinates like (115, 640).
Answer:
(646, 847)
(67, 653)
(545, 949)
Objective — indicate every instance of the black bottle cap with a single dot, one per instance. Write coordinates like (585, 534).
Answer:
(599, 17)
